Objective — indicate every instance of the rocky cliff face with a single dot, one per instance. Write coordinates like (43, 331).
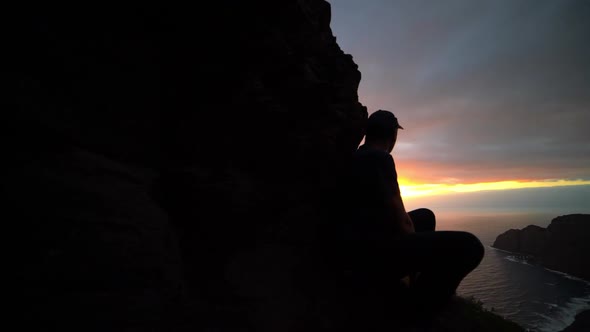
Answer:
(166, 165)
(562, 246)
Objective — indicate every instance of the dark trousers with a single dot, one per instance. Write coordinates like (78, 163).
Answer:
(440, 259)
(364, 286)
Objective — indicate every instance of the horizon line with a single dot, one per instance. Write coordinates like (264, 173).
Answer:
(413, 190)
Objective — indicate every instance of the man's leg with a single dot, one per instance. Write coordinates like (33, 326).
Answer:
(443, 259)
(423, 220)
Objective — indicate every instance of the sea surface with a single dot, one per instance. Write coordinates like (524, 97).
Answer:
(533, 296)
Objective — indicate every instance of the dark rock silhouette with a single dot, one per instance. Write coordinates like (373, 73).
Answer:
(166, 165)
(562, 246)
(530, 240)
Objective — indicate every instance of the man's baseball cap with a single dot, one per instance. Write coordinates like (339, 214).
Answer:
(384, 120)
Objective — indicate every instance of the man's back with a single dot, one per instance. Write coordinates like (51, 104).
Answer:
(365, 227)
(373, 186)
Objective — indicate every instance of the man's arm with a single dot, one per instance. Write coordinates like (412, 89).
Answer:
(398, 210)
(405, 223)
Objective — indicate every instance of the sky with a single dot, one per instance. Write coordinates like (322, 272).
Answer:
(493, 95)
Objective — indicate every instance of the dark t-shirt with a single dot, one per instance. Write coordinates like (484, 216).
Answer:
(358, 234)
(374, 181)
(369, 226)
(375, 175)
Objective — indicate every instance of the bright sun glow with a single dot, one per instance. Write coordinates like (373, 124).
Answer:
(409, 189)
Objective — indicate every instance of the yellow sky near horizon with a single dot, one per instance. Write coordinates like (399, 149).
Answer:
(411, 189)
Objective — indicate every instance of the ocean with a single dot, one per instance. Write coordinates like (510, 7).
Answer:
(534, 297)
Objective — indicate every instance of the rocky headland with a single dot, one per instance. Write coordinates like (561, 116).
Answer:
(563, 246)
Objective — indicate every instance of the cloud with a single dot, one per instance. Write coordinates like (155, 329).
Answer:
(485, 89)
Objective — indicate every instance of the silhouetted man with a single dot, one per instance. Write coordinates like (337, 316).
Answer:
(390, 243)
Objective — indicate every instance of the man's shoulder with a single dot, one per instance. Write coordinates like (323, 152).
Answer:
(366, 153)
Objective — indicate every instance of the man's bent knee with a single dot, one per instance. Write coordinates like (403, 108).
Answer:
(425, 220)
(474, 250)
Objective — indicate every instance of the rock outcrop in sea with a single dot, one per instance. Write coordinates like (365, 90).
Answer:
(562, 246)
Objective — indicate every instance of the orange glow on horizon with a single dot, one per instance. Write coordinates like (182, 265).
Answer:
(411, 189)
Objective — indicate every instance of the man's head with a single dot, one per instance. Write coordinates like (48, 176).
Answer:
(382, 127)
